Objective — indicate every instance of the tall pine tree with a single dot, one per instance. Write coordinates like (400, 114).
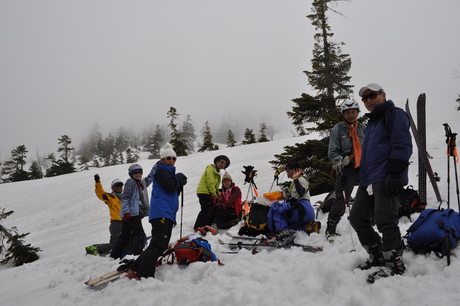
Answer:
(208, 145)
(329, 78)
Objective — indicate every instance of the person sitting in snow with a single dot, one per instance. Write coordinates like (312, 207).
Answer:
(112, 200)
(296, 211)
(226, 210)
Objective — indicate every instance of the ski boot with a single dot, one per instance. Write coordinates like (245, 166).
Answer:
(375, 257)
(331, 231)
(393, 266)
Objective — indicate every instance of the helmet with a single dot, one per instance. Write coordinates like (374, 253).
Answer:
(349, 104)
(134, 167)
(116, 182)
(224, 158)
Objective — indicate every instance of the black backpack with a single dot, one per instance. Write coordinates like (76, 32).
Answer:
(256, 221)
(410, 203)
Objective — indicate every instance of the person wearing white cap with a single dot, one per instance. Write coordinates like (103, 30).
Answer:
(164, 203)
(384, 165)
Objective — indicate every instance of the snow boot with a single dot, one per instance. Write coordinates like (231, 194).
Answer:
(375, 257)
(393, 266)
(331, 231)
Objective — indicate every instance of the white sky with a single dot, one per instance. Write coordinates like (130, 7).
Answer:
(65, 65)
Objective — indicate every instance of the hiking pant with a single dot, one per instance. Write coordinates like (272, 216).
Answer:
(145, 264)
(343, 183)
(132, 233)
(115, 230)
(220, 216)
(205, 203)
(383, 210)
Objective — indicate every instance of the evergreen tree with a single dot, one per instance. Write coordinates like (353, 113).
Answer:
(231, 142)
(35, 171)
(263, 133)
(108, 155)
(18, 252)
(208, 145)
(188, 134)
(65, 163)
(249, 137)
(83, 162)
(15, 167)
(329, 77)
(93, 144)
(121, 142)
(458, 101)
(178, 143)
(155, 143)
(132, 156)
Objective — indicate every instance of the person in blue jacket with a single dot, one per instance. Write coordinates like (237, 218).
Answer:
(384, 165)
(164, 203)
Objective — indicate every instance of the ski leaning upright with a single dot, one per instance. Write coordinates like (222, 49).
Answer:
(424, 156)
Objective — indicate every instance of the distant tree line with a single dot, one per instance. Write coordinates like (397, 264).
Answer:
(122, 146)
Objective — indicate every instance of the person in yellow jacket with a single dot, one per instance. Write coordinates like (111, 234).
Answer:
(112, 200)
(208, 188)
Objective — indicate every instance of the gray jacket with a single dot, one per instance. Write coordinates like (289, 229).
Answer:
(340, 143)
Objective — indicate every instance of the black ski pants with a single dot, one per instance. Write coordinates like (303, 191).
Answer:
(205, 203)
(344, 182)
(381, 209)
(220, 216)
(145, 264)
(132, 234)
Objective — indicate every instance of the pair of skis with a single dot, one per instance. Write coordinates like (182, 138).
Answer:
(254, 243)
(424, 158)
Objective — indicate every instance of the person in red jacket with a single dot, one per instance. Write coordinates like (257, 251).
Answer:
(226, 210)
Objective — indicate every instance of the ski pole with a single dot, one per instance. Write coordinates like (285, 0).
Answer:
(448, 134)
(181, 210)
(453, 145)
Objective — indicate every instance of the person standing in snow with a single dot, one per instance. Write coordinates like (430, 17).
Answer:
(345, 153)
(134, 207)
(112, 200)
(384, 165)
(296, 211)
(208, 188)
(226, 210)
(164, 203)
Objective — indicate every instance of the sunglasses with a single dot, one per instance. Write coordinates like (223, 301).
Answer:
(171, 157)
(118, 185)
(371, 96)
(137, 172)
(223, 162)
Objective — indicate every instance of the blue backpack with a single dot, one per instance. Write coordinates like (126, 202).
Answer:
(435, 230)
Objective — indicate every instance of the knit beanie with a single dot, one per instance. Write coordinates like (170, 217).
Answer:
(226, 176)
(167, 151)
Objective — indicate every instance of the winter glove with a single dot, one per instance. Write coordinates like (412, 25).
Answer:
(394, 185)
(338, 165)
(181, 178)
(126, 217)
(97, 179)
